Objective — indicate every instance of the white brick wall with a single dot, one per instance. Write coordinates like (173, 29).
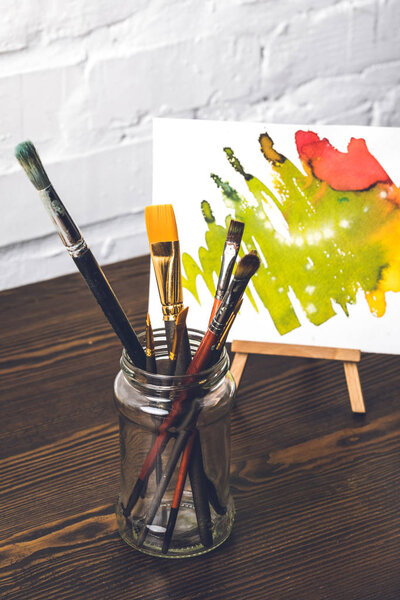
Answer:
(84, 79)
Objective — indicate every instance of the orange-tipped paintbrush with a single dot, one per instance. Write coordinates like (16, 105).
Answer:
(163, 238)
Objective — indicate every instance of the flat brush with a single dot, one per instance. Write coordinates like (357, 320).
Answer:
(229, 255)
(180, 329)
(81, 254)
(163, 238)
(246, 268)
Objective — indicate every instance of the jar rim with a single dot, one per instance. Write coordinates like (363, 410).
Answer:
(210, 375)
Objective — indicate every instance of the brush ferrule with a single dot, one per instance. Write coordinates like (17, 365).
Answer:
(66, 228)
(216, 327)
(229, 255)
(171, 311)
(228, 304)
(150, 352)
(78, 249)
(167, 269)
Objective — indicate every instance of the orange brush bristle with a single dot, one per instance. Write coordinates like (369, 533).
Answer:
(161, 223)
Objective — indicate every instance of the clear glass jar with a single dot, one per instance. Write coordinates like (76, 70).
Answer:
(205, 517)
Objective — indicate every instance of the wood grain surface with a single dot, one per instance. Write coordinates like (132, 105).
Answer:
(316, 488)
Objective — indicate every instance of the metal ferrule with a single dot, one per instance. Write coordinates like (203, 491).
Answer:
(78, 249)
(167, 269)
(150, 353)
(231, 298)
(228, 262)
(225, 331)
(65, 226)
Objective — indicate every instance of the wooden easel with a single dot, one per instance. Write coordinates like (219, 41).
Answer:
(350, 358)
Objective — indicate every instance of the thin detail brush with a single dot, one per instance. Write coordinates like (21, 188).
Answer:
(81, 254)
(151, 367)
(150, 350)
(229, 255)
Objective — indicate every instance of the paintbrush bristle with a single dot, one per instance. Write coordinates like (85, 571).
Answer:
(30, 161)
(235, 231)
(247, 266)
(161, 223)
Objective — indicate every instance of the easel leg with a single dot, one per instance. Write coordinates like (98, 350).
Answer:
(354, 387)
(237, 366)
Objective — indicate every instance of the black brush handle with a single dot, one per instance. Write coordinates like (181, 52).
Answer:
(199, 486)
(102, 291)
(169, 333)
(151, 364)
(185, 354)
(170, 529)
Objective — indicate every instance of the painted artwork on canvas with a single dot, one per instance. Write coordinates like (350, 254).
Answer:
(321, 205)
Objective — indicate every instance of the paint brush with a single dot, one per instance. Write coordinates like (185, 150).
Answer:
(245, 269)
(229, 255)
(150, 350)
(81, 254)
(163, 238)
(180, 329)
(216, 353)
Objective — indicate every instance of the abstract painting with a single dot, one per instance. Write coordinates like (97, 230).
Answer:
(321, 205)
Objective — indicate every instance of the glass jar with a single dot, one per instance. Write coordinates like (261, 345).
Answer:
(206, 512)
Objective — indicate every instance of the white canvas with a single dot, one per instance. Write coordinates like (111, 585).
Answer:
(186, 152)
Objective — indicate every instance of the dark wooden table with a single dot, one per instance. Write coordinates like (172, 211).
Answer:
(316, 488)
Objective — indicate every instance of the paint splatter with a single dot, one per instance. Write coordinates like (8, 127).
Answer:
(323, 234)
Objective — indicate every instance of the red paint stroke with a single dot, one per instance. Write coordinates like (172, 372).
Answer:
(353, 170)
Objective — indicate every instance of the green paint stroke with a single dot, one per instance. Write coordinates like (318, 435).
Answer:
(319, 244)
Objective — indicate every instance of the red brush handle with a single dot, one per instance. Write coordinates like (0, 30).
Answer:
(216, 305)
(183, 469)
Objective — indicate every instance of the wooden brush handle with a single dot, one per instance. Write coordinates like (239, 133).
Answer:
(102, 291)
(216, 305)
(185, 355)
(199, 486)
(169, 333)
